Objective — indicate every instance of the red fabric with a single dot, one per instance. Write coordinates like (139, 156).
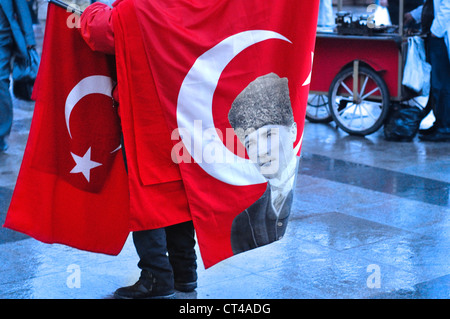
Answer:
(156, 44)
(97, 28)
(175, 34)
(53, 201)
(157, 193)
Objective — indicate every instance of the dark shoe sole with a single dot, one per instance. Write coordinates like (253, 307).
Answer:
(169, 296)
(434, 138)
(186, 286)
(428, 131)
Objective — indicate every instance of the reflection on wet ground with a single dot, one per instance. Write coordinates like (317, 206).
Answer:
(363, 207)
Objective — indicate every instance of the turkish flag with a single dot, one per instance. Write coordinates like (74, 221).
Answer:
(72, 187)
(207, 57)
(212, 105)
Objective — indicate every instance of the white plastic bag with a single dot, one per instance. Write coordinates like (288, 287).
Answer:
(416, 74)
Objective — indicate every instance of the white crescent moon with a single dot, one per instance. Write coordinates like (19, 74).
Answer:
(308, 79)
(195, 104)
(89, 85)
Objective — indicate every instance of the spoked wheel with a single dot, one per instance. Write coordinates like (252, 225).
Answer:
(359, 107)
(317, 109)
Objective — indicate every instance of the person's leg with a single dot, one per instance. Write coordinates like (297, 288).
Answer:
(440, 89)
(156, 280)
(182, 256)
(6, 108)
(441, 78)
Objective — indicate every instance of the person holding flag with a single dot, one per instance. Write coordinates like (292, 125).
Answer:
(173, 66)
(167, 255)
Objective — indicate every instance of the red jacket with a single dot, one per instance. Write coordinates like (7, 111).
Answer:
(97, 28)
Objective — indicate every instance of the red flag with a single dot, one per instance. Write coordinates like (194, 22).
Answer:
(212, 122)
(214, 62)
(72, 187)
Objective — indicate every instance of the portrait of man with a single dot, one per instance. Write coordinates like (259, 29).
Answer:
(262, 118)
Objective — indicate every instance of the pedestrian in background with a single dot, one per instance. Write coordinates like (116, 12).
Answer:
(434, 16)
(16, 36)
(394, 8)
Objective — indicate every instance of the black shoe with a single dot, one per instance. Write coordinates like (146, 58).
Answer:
(186, 286)
(428, 131)
(185, 277)
(436, 137)
(141, 291)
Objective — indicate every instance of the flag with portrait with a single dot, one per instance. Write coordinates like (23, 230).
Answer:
(212, 106)
(233, 83)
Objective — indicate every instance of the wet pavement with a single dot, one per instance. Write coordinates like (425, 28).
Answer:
(371, 219)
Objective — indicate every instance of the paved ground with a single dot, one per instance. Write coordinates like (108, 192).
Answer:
(364, 207)
(371, 219)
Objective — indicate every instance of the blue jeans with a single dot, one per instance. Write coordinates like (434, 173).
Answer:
(440, 82)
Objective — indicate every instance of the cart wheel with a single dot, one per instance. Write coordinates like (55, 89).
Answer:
(317, 109)
(358, 108)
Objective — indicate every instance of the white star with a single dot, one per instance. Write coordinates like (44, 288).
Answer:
(84, 164)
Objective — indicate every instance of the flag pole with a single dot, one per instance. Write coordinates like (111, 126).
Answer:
(70, 7)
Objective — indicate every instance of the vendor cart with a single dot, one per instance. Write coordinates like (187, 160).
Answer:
(357, 73)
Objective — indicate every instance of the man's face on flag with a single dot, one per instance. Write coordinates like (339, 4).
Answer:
(271, 148)
(262, 118)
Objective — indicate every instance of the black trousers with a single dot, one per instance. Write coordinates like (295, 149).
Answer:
(167, 254)
(440, 82)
